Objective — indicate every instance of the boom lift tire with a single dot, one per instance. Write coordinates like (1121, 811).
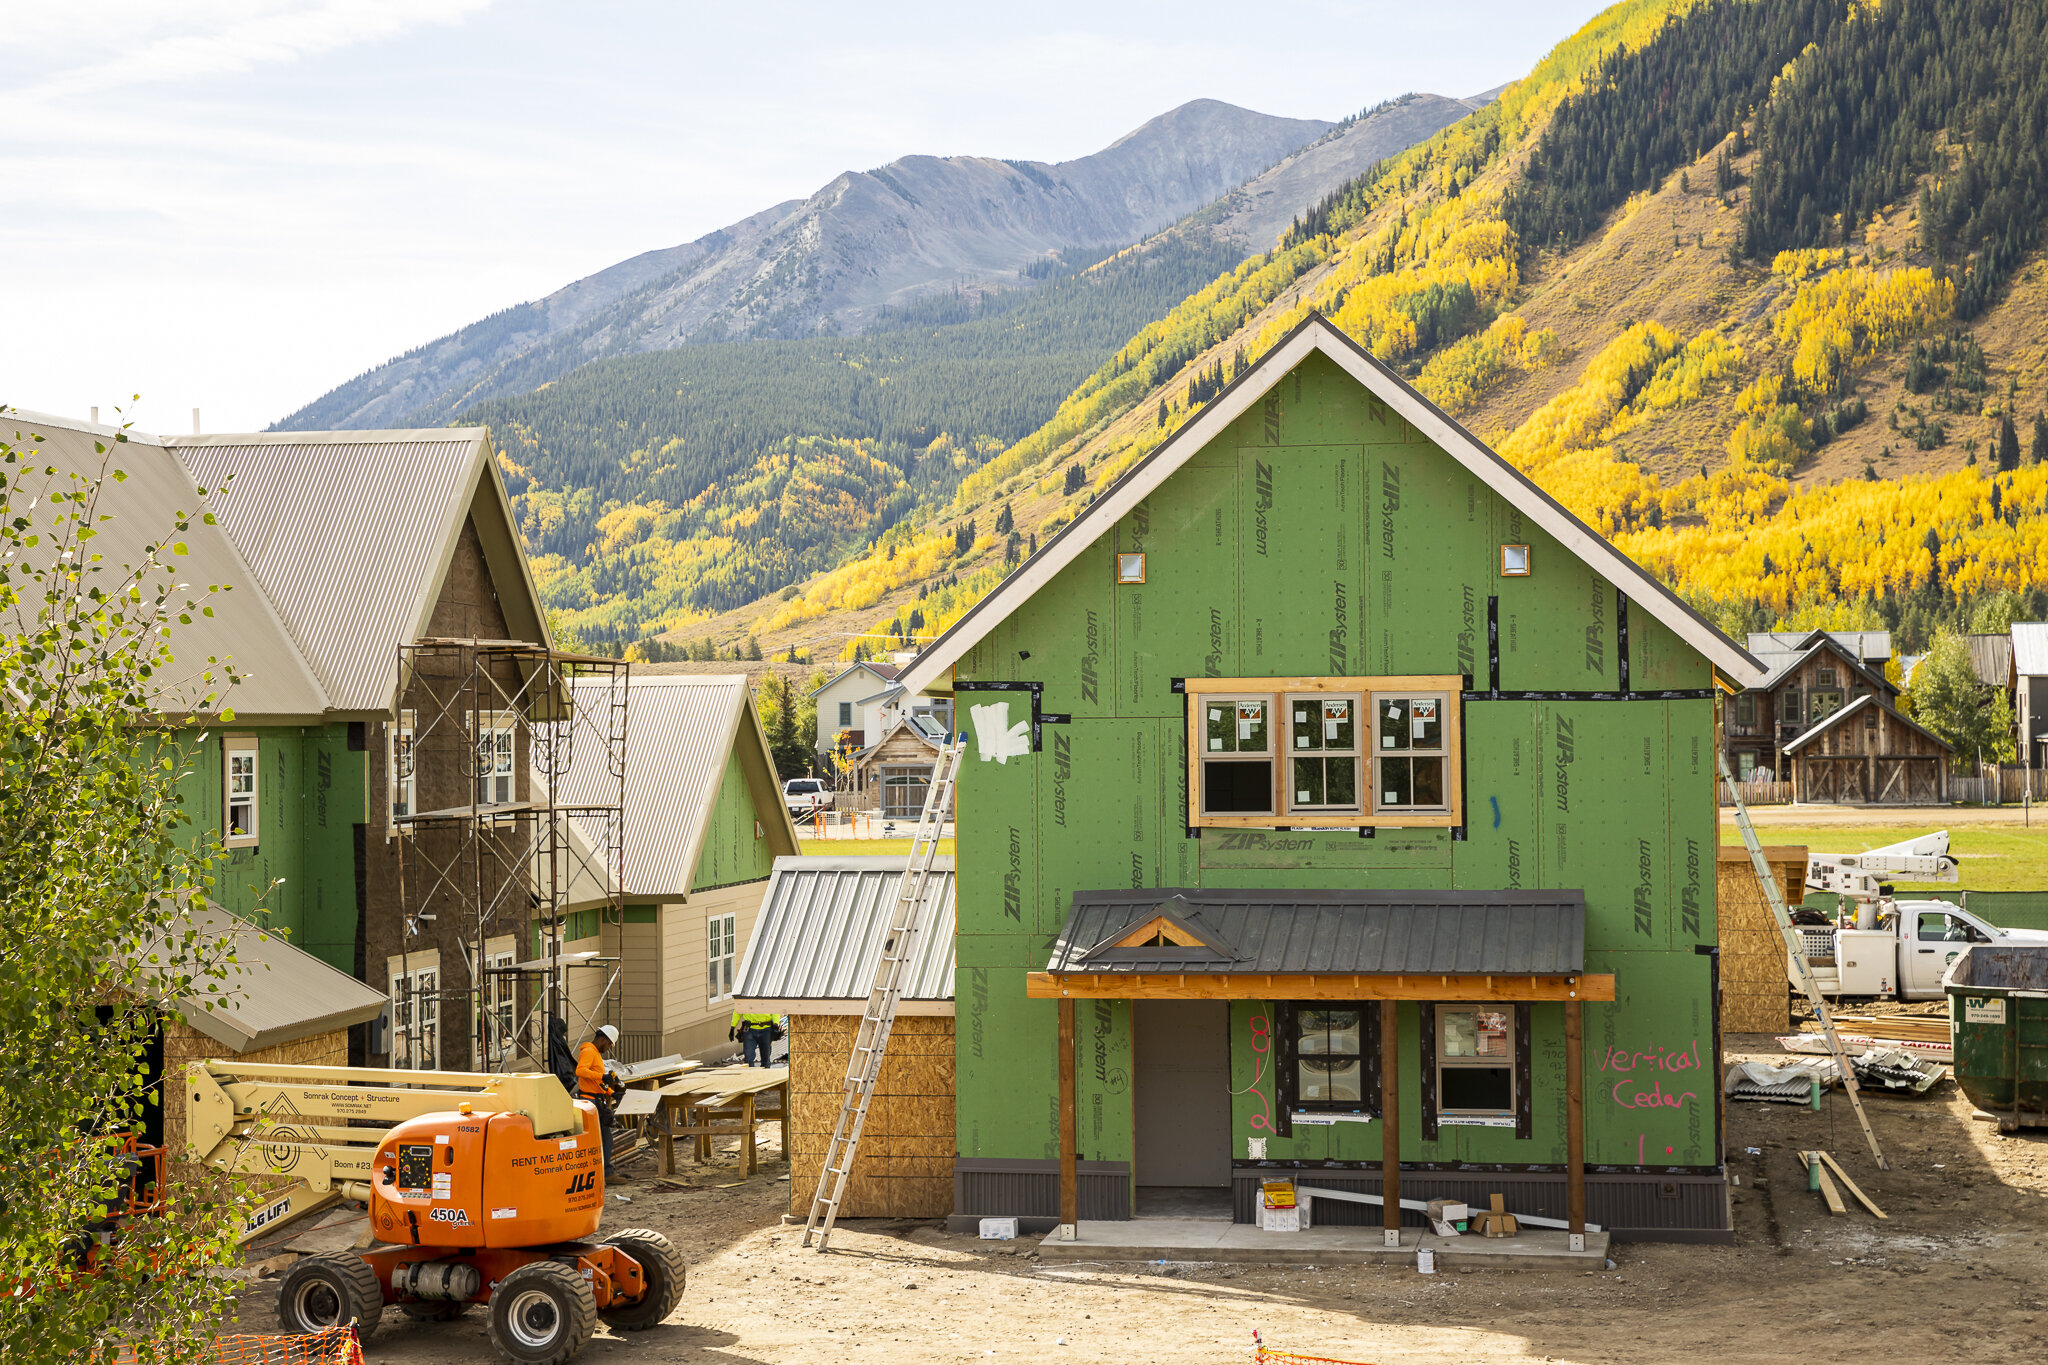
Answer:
(663, 1266)
(542, 1313)
(330, 1291)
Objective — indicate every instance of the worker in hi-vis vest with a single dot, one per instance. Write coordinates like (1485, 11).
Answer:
(596, 1087)
(755, 1032)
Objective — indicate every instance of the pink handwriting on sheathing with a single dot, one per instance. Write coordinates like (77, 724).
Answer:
(1628, 1096)
(1656, 1059)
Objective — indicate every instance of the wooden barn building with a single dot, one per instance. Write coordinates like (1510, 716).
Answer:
(1868, 754)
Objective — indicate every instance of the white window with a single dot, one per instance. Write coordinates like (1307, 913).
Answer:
(416, 1015)
(399, 759)
(241, 783)
(1323, 752)
(722, 938)
(1475, 1062)
(496, 745)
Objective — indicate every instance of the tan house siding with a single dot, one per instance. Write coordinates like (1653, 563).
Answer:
(692, 1023)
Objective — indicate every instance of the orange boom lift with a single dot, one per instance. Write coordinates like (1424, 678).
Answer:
(482, 1189)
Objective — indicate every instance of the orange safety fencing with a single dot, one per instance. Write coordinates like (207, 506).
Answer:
(1266, 1353)
(329, 1346)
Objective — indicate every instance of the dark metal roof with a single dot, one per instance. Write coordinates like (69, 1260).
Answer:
(1503, 933)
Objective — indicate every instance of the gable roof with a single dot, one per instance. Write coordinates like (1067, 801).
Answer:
(1866, 645)
(336, 546)
(681, 729)
(245, 627)
(923, 728)
(819, 935)
(886, 672)
(1853, 708)
(1316, 334)
(352, 534)
(2030, 647)
(1784, 663)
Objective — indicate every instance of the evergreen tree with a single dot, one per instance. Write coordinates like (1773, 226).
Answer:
(1005, 523)
(753, 649)
(963, 537)
(2008, 445)
(1162, 412)
(1073, 481)
(2041, 438)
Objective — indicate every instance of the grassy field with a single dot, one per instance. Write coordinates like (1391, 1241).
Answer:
(2002, 857)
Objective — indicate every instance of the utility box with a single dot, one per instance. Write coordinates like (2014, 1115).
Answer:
(1867, 961)
(1998, 1022)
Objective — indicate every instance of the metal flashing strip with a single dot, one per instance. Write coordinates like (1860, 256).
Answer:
(1039, 718)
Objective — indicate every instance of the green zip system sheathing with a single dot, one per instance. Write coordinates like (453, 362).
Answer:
(1322, 535)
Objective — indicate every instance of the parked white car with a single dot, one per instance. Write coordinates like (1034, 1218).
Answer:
(806, 795)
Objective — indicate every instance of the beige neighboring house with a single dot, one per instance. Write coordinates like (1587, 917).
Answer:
(893, 775)
(850, 704)
(704, 823)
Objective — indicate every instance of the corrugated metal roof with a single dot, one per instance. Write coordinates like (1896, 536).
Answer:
(274, 992)
(2030, 648)
(1506, 933)
(350, 533)
(819, 933)
(1866, 645)
(1821, 727)
(1992, 657)
(681, 730)
(246, 626)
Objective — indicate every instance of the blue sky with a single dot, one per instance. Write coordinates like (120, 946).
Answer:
(237, 204)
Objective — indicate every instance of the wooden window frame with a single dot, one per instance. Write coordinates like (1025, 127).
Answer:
(231, 748)
(1278, 692)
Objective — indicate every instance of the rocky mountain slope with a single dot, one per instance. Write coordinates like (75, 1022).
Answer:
(1758, 291)
(826, 264)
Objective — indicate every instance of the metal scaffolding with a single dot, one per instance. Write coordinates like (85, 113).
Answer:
(523, 775)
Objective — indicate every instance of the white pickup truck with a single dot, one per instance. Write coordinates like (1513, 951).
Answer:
(1905, 956)
(806, 796)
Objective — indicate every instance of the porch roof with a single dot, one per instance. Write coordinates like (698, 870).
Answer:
(1344, 933)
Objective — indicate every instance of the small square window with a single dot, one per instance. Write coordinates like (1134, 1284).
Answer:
(1514, 561)
(1130, 568)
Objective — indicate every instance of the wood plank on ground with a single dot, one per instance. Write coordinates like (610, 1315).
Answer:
(1854, 1188)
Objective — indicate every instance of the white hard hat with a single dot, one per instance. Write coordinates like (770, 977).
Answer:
(610, 1031)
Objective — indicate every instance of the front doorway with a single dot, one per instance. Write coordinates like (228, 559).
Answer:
(1181, 1107)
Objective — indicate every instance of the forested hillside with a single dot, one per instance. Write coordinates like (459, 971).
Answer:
(1757, 289)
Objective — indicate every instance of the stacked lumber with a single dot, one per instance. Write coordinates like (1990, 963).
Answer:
(1905, 1028)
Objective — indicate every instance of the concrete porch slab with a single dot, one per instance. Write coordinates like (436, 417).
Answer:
(1210, 1239)
(1214, 1239)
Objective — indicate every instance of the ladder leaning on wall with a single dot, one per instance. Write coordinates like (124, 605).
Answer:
(907, 922)
(1795, 949)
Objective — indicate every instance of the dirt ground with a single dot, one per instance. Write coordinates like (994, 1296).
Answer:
(1957, 1269)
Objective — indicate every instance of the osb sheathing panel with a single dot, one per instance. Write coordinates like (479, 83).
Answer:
(1754, 993)
(184, 1045)
(1319, 535)
(904, 1168)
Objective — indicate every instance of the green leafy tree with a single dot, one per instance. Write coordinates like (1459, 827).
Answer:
(96, 866)
(1950, 701)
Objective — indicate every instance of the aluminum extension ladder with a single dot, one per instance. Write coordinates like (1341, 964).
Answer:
(1795, 948)
(899, 948)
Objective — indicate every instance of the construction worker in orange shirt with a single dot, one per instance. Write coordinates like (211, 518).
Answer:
(597, 1087)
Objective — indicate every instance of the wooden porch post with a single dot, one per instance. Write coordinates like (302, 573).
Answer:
(1390, 1121)
(1575, 1125)
(1070, 1195)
